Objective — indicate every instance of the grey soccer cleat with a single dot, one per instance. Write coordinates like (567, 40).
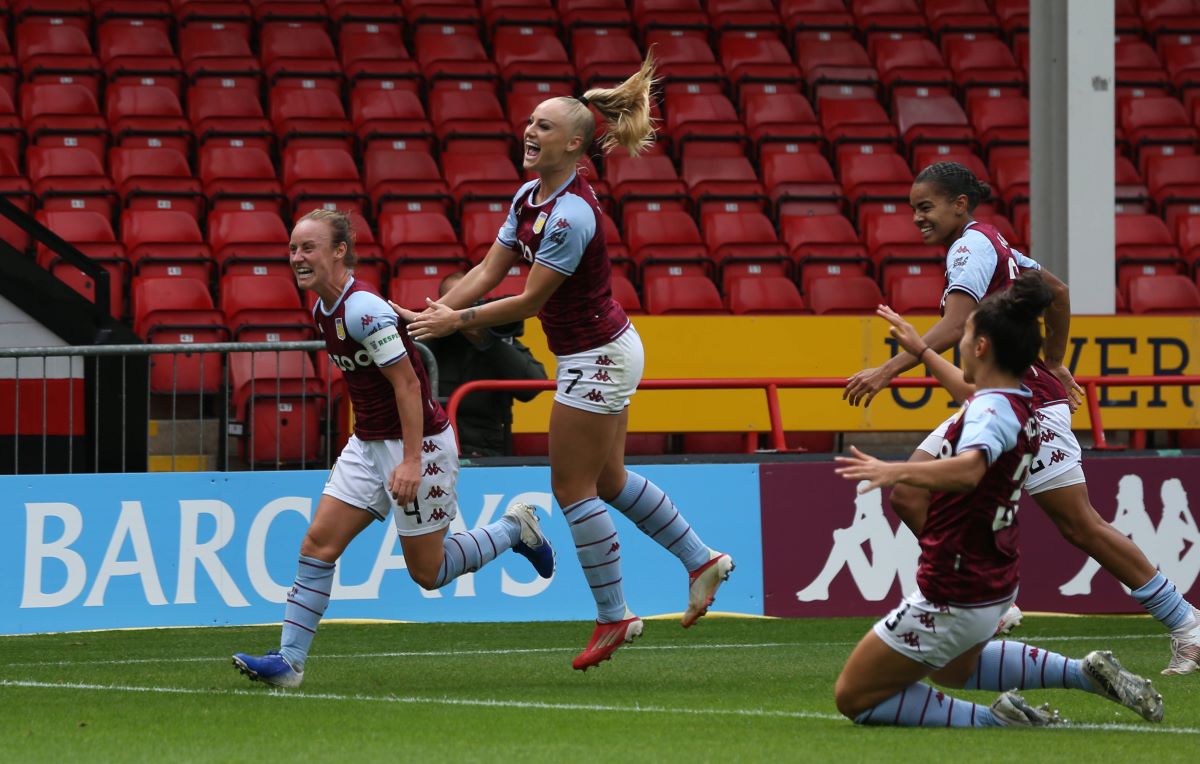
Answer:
(1115, 682)
(1011, 710)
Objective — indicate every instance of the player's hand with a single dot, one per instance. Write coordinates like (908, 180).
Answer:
(436, 320)
(404, 481)
(405, 314)
(901, 331)
(1075, 393)
(864, 467)
(865, 385)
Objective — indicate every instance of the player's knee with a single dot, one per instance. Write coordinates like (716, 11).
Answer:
(847, 702)
(610, 484)
(317, 548)
(1078, 525)
(426, 579)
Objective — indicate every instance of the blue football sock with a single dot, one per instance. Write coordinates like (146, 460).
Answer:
(921, 705)
(656, 515)
(1005, 665)
(470, 551)
(599, 552)
(306, 603)
(1163, 601)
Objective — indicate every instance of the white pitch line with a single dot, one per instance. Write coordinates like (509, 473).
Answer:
(536, 650)
(523, 704)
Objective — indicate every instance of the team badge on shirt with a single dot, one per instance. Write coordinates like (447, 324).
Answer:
(340, 328)
(540, 223)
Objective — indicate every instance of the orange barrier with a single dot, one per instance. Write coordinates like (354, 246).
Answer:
(772, 385)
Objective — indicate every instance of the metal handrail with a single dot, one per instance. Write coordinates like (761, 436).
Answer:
(772, 385)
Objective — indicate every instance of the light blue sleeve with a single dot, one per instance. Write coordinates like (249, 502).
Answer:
(1025, 262)
(508, 231)
(989, 425)
(372, 323)
(569, 230)
(970, 263)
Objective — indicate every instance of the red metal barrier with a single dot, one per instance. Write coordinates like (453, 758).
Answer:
(772, 385)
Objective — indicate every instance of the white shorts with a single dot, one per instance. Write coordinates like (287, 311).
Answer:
(361, 473)
(604, 379)
(937, 634)
(1059, 461)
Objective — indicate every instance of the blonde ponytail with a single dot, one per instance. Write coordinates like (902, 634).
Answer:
(626, 110)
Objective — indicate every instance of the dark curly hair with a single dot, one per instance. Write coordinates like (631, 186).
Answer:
(955, 180)
(1010, 320)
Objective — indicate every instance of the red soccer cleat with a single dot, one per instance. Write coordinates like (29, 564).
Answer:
(703, 583)
(605, 640)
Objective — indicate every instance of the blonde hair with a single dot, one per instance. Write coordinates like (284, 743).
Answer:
(625, 110)
(341, 231)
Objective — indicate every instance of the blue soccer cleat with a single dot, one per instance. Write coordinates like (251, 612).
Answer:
(271, 668)
(533, 546)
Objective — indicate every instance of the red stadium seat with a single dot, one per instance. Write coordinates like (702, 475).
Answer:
(751, 56)
(228, 117)
(855, 120)
(1138, 66)
(801, 182)
(985, 63)
(322, 176)
(376, 51)
(57, 53)
(523, 55)
(637, 182)
(147, 116)
(848, 294)
(780, 117)
(62, 115)
(931, 119)
(708, 120)
(472, 116)
(666, 240)
(421, 236)
(165, 243)
(1163, 294)
(1001, 120)
(404, 181)
(239, 178)
(411, 293)
(179, 311)
(833, 63)
(966, 17)
(908, 63)
(479, 178)
(722, 179)
(896, 247)
(155, 178)
(480, 228)
(250, 242)
(299, 56)
(310, 118)
(1144, 240)
(282, 403)
(681, 294)
(823, 246)
(223, 54)
(744, 244)
(137, 51)
(92, 234)
(869, 179)
(763, 295)
(1156, 121)
(917, 295)
(625, 295)
(1173, 180)
(70, 178)
(602, 56)
(451, 52)
(391, 116)
(264, 308)
(686, 64)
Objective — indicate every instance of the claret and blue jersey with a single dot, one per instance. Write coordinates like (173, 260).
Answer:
(564, 233)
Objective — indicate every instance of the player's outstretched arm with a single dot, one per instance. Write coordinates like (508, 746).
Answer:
(1058, 328)
(956, 474)
(438, 320)
(949, 375)
(945, 334)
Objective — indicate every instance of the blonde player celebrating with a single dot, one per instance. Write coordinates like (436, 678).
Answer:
(979, 262)
(554, 225)
(401, 459)
(968, 572)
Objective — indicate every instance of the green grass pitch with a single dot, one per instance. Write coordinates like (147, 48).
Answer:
(728, 690)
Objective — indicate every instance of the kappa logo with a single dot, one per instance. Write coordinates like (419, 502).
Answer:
(595, 396)
(562, 223)
(875, 555)
(433, 469)
(437, 514)
(367, 321)
(616, 547)
(1173, 547)
(1048, 435)
(437, 492)
(911, 639)
(604, 361)
(1033, 654)
(601, 376)
(1057, 456)
(1040, 416)
(962, 250)
(428, 447)
(927, 621)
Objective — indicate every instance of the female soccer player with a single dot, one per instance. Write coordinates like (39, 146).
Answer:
(968, 574)
(401, 459)
(979, 262)
(554, 225)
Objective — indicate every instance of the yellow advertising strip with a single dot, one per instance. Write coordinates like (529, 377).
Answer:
(838, 346)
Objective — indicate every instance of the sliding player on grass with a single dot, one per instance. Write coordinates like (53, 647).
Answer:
(401, 460)
(554, 226)
(979, 263)
(968, 572)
